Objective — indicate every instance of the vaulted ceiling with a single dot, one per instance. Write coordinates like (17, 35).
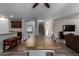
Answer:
(25, 10)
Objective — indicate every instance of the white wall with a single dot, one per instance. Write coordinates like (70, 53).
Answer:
(57, 24)
(49, 26)
(4, 31)
(4, 25)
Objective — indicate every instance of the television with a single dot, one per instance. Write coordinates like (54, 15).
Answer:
(69, 28)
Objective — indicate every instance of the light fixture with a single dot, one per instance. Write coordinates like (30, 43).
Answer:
(3, 19)
(11, 16)
(46, 4)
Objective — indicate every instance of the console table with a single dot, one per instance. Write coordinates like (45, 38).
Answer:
(10, 42)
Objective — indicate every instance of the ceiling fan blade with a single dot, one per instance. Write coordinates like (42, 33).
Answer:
(47, 5)
(35, 5)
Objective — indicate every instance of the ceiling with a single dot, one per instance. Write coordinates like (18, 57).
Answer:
(25, 10)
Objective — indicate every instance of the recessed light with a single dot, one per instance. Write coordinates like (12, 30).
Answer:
(11, 16)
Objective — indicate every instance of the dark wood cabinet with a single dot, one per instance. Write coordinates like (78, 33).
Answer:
(19, 35)
(10, 43)
(61, 35)
(16, 24)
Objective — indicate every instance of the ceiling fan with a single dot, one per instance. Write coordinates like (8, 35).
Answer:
(46, 4)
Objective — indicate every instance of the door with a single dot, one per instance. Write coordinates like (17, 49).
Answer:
(41, 28)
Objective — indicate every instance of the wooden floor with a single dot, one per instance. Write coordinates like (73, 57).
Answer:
(41, 42)
(37, 43)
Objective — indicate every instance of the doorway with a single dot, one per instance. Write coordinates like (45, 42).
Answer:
(41, 28)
